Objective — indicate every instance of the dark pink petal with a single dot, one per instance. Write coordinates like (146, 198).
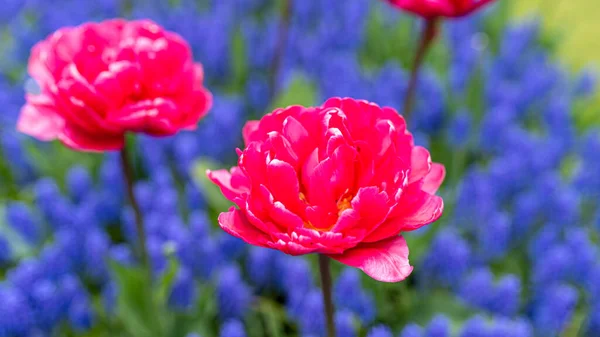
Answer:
(343, 175)
(371, 207)
(202, 103)
(235, 223)
(321, 217)
(385, 261)
(105, 79)
(414, 210)
(233, 184)
(248, 131)
(80, 140)
(156, 117)
(434, 179)
(298, 136)
(283, 184)
(422, 210)
(365, 166)
(320, 189)
(280, 148)
(420, 164)
(254, 164)
(39, 119)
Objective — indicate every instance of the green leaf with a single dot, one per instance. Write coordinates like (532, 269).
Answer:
(495, 24)
(167, 280)
(19, 248)
(274, 317)
(239, 61)
(135, 306)
(300, 91)
(54, 159)
(212, 192)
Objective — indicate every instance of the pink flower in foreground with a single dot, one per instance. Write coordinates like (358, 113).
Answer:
(343, 180)
(100, 80)
(436, 8)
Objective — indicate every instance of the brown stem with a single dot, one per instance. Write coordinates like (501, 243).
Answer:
(326, 287)
(284, 27)
(127, 168)
(425, 41)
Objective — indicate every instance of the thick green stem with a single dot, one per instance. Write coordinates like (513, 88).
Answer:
(282, 38)
(326, 287)
(127, 168)
(427, 37)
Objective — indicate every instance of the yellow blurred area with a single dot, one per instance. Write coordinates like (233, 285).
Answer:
(575, 22)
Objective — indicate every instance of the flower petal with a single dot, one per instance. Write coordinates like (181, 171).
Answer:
(235, 223)
(420, 164)
(233, 184)
(434, 179)
(385, 261)
(40, 120)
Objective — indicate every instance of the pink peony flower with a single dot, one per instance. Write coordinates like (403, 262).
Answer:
(343, 180)
(101, 80)
(436, 8)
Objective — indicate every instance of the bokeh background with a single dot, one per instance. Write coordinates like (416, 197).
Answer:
(507, 102)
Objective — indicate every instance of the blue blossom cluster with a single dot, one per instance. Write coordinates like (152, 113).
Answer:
(517, 250)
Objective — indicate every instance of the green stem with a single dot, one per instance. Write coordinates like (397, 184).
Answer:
(425, 41)
(127, 168)
(326, 288)
(282, 38)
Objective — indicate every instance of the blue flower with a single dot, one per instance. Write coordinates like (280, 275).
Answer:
(44, 297)
(297, 280)
(460, 129)
(506, 328)
(586, 253)
(344, 324)
(81, 314)
(586, 83)
(553, 265)
(477, 288)
(447, 260)
(233, 294)
(554, 309)
(438, 327)
(475, 327)
(232, 328)
(79, 183)
(311, 315)
(16, 314)
(5, 252)
(506, 296)
(22, 220)
(412, 330)
(183, 295)
(263, 269)
(349, 295)
(380, 331)
(494, 235)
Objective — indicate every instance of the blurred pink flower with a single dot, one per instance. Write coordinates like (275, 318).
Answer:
(100, 80)
(436, 8)
(343, 180)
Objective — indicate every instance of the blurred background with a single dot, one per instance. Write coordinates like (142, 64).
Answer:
(507, 101)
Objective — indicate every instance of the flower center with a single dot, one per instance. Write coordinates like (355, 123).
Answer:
(344, 203)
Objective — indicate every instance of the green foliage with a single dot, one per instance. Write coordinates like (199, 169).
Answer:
(300, 91)
(239, 62)
(211, 192)
(384, 42)
(142, 305)
(136, 307)
(54, 159)
(20, 248)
